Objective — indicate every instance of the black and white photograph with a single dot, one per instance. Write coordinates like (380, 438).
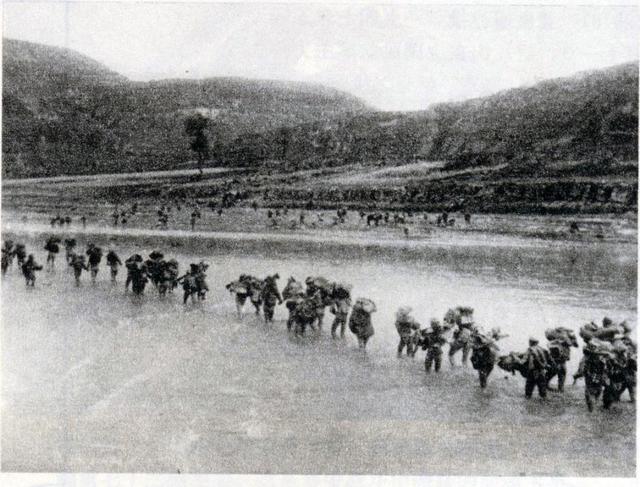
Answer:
(319, 239)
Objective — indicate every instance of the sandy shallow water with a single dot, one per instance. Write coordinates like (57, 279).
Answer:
(96, 380)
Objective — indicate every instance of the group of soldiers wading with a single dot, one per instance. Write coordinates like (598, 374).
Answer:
(26, 264)
(608, 365)
(162, 273)
(306, 304)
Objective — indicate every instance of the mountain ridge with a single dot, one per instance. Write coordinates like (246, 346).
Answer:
(82, 118)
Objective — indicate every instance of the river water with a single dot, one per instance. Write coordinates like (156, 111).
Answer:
(96, 380)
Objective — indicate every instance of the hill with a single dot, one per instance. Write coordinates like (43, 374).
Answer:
(64, 113)
(590, 117)
(563, 145)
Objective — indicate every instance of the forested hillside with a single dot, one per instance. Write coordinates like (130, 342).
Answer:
(591, 117)
(64, 113)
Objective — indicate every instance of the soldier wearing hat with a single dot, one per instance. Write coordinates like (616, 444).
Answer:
(340, 308)
(433, 341)
(95, 256)
(190, 283)
(270, 296)
(134, 265)
(69, 246)
(201, 279)
(113, 261)
(78, 265)
(406, 326)
(52, 248)
(536, 361)
(28, 270)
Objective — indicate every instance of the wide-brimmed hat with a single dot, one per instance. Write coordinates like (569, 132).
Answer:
(403, 311)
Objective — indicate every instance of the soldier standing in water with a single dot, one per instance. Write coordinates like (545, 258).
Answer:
(114, 262)
(29, 269)
(77, 263)
(95, 256)
(536, 370)
(270, 296)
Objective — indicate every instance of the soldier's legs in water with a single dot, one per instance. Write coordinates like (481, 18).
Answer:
(428, 361)
(411, 347)
(114, 273)
(268, 312)
(320, 319)
(240, 300)
(438, 360)
(591, 394)
(186, 296)
(483, 378)
(588, 399)
(562, 375)
(632, 392)
(127, 282)
(453, 348)
(290, 320)
(300, 326)
(334, 326)
(401, 346)
(541, 382)
(608, 397)
(529, 386)
(465, 353)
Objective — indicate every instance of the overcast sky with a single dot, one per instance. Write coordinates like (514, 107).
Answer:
(396, 57)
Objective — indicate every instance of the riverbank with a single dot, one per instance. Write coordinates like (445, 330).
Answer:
(320, 225)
